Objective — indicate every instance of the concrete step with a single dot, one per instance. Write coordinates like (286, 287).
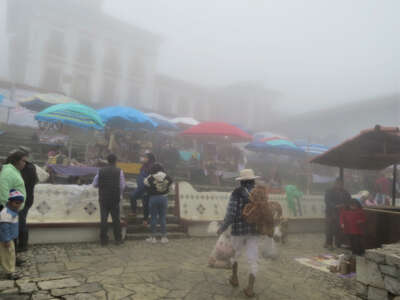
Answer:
(171, 219)
(172, 228)
(143, 236)
(170, 211)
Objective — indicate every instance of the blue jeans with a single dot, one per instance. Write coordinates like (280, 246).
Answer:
(158, 211)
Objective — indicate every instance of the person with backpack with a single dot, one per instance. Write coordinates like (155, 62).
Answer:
(244, 235)
(158, 184)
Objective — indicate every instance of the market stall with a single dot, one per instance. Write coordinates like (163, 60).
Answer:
(220, 158)
(127, 135)
(279, 155)
(372, 149)
(75, 122)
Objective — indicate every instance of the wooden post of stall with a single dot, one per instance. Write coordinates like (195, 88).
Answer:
(394, 185)
(341, 174)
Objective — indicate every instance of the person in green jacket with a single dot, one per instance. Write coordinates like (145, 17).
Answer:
(293, 195)
(10, 176)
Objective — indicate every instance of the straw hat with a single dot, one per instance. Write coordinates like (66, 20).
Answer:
(247, 174)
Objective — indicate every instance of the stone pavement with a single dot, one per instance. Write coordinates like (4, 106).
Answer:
(177, 270)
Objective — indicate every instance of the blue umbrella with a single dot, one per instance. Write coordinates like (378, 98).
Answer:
(126, 118)
(275, 145)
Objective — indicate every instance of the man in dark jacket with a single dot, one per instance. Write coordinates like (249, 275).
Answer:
(30, 179)
(335, 199)
(111, 183)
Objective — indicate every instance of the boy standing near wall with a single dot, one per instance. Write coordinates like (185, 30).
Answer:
(9, 232)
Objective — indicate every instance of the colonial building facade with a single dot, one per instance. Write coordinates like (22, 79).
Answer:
(72, 47)
(246, 103)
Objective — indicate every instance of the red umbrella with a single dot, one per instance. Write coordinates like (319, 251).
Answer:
(218, 129)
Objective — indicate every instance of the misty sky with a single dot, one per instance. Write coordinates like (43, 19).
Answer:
(314, 52)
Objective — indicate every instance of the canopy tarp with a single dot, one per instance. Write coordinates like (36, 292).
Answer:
(372, 149)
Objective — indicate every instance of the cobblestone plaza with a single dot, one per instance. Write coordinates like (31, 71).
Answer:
(178, 270)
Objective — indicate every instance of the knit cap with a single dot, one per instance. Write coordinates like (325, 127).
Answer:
(15, 196)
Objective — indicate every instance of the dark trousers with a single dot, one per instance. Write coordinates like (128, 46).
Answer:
(333, 232)
(356, 244)
(23, 234)
(137, 194)
(107, 208)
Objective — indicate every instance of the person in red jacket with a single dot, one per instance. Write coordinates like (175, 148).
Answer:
(352, 221)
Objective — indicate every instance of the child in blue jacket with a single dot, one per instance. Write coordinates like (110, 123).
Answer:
(9, 232)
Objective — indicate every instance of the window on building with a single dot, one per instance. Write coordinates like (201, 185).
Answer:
(112, 62)
(50, 79)
(55, 44)
(108, 92)
(135, 94)
(164, 102)
(81, 87)
(200, 109)
(137, 67)
(85, 52)
(183, 106)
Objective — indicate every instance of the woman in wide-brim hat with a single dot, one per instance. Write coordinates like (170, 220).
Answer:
(244, 235)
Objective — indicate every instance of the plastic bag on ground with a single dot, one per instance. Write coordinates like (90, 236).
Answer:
(268, 248)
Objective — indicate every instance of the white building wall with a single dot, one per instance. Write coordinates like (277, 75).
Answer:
(40, 24)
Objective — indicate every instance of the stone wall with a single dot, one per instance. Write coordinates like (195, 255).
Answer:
(56, 203)
(378, 273)
(211, 206)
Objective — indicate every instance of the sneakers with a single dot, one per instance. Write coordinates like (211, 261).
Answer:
(151, 240)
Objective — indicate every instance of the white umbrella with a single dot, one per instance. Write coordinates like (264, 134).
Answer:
(185, 121)
(157, 116)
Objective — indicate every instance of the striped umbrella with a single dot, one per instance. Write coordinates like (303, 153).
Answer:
(72, 114)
